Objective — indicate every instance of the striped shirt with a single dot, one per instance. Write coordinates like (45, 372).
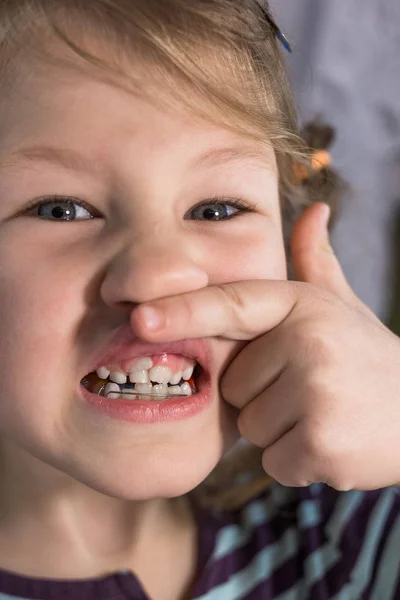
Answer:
(287, 544)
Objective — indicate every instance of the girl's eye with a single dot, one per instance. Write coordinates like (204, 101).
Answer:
(65, 209)
(220, 210)
(68, 209)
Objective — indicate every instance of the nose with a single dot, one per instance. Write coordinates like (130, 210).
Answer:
(146, 270)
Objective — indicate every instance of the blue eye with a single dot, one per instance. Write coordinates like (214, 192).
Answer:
(220, 210)
(61, 210)
(67, 209)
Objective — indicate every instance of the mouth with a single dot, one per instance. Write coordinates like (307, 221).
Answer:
(151, 378)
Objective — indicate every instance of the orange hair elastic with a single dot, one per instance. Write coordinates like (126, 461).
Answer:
(320, 159)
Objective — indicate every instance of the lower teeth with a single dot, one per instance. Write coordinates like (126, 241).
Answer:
(146, 392)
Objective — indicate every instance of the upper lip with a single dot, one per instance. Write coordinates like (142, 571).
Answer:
(125, 346)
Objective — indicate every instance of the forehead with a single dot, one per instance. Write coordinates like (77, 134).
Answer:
(81, 111)
(66, 112)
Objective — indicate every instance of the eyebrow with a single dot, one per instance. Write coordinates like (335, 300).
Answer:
(220, 156)
(76, 161)
(65, 157)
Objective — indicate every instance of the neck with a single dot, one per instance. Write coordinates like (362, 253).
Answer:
(85, 533)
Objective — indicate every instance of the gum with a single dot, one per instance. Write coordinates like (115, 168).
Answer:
(175, 362)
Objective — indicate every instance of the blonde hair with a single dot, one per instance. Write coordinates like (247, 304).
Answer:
(224, 55)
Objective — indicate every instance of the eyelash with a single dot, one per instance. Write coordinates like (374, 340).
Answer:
(242, 205)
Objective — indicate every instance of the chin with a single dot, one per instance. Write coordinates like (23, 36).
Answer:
(159, 473)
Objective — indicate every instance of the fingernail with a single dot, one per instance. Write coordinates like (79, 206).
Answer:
(325, 215)
(153, 318)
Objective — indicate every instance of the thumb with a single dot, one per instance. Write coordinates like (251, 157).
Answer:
(314, 259)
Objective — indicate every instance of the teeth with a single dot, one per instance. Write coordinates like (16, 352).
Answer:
(188, 373)
(175, 389)
(142, 373)
(118, 377)
(176, 377)
(160, 374)
(113, 390)
(141, 376)
(143, 364)
(103, 372)
(160, 389)
(186, 389)
(112, 387)
(143, 388)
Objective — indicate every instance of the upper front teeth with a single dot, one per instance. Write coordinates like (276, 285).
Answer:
(143, 364)
(139, 376)
(143, 372)
(160, 374)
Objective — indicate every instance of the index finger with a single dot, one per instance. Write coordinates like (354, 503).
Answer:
(237, 311)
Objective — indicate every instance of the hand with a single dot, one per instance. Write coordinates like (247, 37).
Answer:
(319, 384)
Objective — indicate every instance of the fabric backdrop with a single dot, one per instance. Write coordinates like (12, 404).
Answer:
(346, 68)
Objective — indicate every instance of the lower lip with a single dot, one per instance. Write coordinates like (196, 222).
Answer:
(139, 411)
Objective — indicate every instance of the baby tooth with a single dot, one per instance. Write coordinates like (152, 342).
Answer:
(139, 376)
(186, 389)
(143, 364)
(175, 389)
(160, 374)
(160, 389)
(143, 388)
(176, 377)
(188, 373)
(103, 372)
(118, 377)
(114, 389)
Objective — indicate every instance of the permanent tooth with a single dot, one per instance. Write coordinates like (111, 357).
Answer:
(139, 376)
(188, 373)
(176, 377)
(103, 372)
(160, 374)
(112, 387)
(175, 389)
(118, 377)
(160, 389)
(186, 389)
(143, 388)
(143, 364)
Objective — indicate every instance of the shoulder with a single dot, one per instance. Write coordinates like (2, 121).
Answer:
(314, 541)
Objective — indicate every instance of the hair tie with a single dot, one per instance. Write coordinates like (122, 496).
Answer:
(320, 159)
(275, 29)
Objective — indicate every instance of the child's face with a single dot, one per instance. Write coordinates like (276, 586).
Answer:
(66, 287)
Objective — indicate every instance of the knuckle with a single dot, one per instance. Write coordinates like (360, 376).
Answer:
(318, 443)
(235, 299)
(324, 449)
(188, 307)
(320, 343)
(243, 423)
(283, 471)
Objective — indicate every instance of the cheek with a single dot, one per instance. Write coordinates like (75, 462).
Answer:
(260, 255)
(35, 330)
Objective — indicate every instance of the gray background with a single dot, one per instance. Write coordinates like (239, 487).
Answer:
(345, 68)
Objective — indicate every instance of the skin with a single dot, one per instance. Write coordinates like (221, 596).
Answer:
(94, 490)
(321, 396)
(288, 373)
